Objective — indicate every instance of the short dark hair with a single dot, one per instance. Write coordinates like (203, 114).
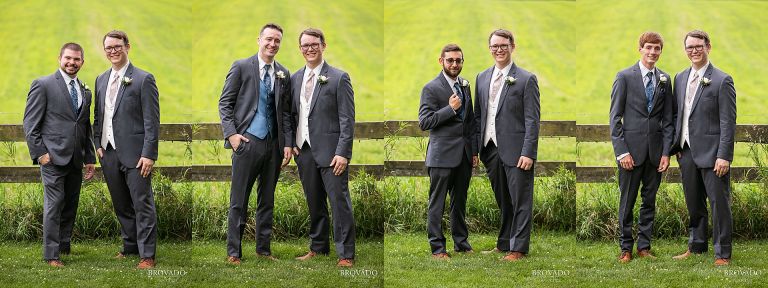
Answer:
(313, 32)
(651, 37)
(116, 34)
(450, 48)
(697, 34)
(271, 26)
(74, 47)
(502, 33)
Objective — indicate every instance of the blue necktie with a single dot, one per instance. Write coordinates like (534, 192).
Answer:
(267, 79)
(461, 96)
(649, 90)
(73, 96)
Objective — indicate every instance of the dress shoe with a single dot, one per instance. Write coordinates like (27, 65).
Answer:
(441, 256)
(55, 263)
(268, 257)
(513, 256)
(683, 256)
(146, 263)
(233, 260)
(470, 251)
(625, 257)
(722, 261)
(307, 256)
(494, 250)
(345, 263)
(645, 253)
(120, 255)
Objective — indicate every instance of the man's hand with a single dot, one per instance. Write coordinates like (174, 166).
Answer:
(663, 164)
(525, 163)
(455, 102)
(475, 161)
(146, 166)
(287, 153)
(235, 139)
(90, 170)
(45, 159)
(100, 152)
(721, 167)
(339, 163)
(627, 163)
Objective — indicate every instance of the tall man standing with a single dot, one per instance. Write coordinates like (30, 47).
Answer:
(322, 129)
(255, 94)
(126, 124)
(58, 132)
(706, 122)
(642, 130)
(507, 113)
(446, 112)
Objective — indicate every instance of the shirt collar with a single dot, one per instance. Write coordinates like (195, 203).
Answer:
(504, 71)
(450, 81)
(121, 72)
(702, 70)
(316, 70)
(67, 79)
(262, 63)
(643, 70)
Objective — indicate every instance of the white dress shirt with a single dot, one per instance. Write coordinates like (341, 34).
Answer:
(687, 106)
(302, 133)
(67, 79)
(490, 119)
(262, 63)
(107, 134)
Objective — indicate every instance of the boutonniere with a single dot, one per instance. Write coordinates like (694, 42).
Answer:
(464, 83)
(510, 80)
(663, 78)
(705, 81)
(323, 79)
(85, 87)
(280, 74)
(126, 81)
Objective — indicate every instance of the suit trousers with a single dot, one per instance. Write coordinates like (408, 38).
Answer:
(453, 182)
(629, 184)
(255, 160)
(698, 185)
(320, 184)
(61, 195)
(134, 203)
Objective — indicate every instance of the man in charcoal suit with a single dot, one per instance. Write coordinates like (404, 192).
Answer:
(58, 132)
(642, 129)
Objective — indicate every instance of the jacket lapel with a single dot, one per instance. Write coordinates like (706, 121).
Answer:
(257, 72)
(318, 87)
(101, 88)
(680, 85)
(86, 99)
(129, 75)
(506, 87)
(700, 89)
(65, 90)
(296, 86)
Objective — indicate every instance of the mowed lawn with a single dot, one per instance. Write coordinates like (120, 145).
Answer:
(558, 260)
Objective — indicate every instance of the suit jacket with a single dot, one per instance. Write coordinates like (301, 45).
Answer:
(712, 122)
(240, 99)
(633, 129)
(331, 115)
(136, 119)
(517, 116)
(51, 126)
(450, 137)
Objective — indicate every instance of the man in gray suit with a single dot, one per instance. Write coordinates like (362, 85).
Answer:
(322, 129)
(58, 133)
(642, 129)
(507, 113)
(446, 112)
(126, 123)
(706, 122)
(255, 94)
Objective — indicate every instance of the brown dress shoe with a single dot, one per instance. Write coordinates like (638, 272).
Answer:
(345, 263)
(120, 255)
(625, 257)
(146, 263)
(645, 253)
(307, 256)
(513, 256)
(55, 263)
(683, 256)
(494, 250)
(722, 262)
(268, 257)
(441, 256)
(233, 260)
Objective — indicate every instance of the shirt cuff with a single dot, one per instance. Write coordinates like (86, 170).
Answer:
(622, 156)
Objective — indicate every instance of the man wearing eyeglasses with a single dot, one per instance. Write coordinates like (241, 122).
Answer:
(126, 124)
(642, 129)
(321, 134)
(507, 112)
(446, 112)
(706, 121)
(253, 100)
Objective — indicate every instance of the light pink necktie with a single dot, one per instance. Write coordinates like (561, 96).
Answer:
(309, 85)
(112, 94)
(496, 86)
(692, 89)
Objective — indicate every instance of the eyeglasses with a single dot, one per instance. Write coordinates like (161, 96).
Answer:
(113, 49)
(698, 48)
(452, 61)
(314, 46)
(495, 48)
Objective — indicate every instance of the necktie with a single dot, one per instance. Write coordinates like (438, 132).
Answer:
(692, 89)
(267, 79)
(73, 95)
(649, 90)
(457, 89)
(309, 85)
(496, 86)
(112, 94)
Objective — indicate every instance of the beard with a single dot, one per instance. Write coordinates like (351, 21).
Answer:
(452, 74)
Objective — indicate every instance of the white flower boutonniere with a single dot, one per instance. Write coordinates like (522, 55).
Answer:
(663, 78)
(323, 79)
(126, 81)
(705, 81)
(510, 80)
(464, 83)
(85, 87)
(280, 74)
